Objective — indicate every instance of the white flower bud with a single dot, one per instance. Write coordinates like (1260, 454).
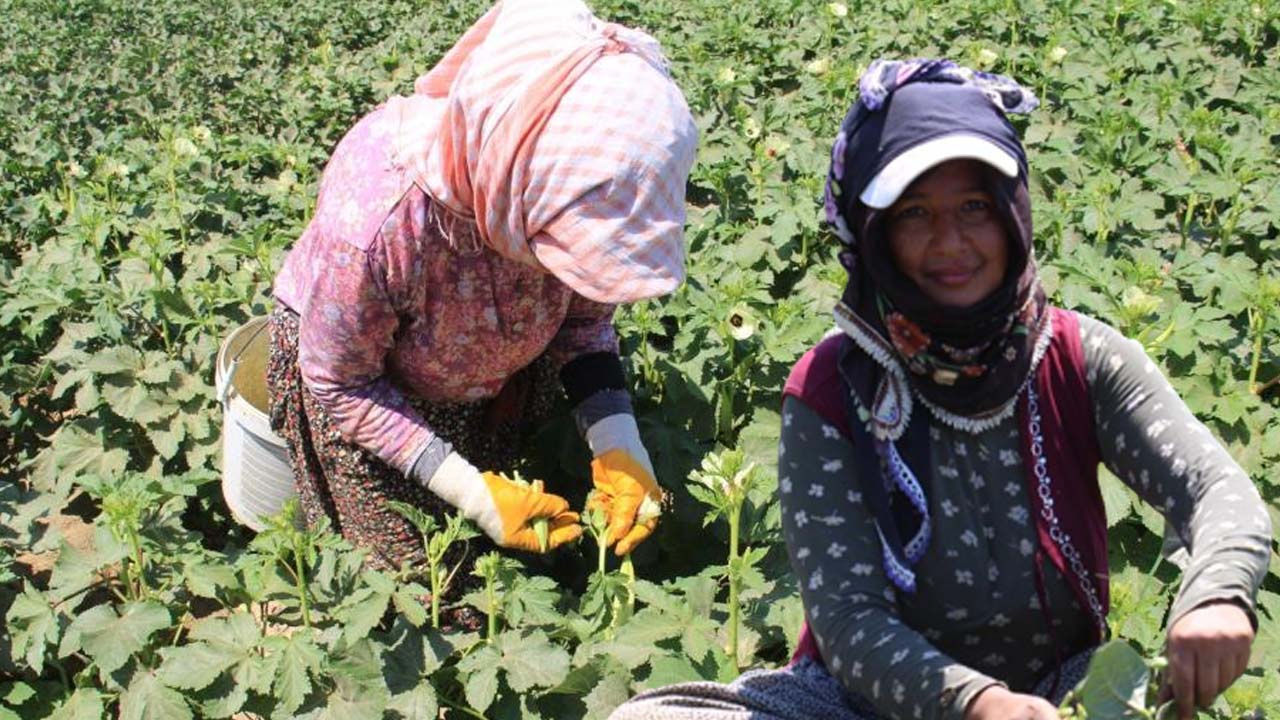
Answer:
(182, 147)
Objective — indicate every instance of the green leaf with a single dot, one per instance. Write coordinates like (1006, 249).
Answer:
(298, 658)
(167, 440)
(407, 603)
(223, 699)
(612, 690)
(532, 660)
(205, 579)
(134, 401)
(759, 440)
(636, 641)
(197, 665)
(1115, 496)
(418, 702)
(410, 656)
(111, 639)
(84, 704)
(148, 699)
(1266, 646)
(479, 674)
(359, 691)
(32, 626)
(113, 360)
(221, 644)
(14, 694)
(79, 447)
(669, 670)
(362, 612)
(533, 601)
(1115, 683)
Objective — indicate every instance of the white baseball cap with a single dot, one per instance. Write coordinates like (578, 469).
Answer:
(885, 188)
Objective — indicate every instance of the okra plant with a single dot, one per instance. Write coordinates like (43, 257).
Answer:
(723, 483)
(436, 541)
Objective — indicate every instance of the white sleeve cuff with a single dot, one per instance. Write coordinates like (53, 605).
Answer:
(460, 484)
(619, 432)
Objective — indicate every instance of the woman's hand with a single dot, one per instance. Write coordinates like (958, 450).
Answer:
(629, 497)
(626, 488)
(518, 506)
(998, 703)
(1208, 648)
(508, 512)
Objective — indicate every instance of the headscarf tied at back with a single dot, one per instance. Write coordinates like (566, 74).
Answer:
(966, 364)
(566, 140)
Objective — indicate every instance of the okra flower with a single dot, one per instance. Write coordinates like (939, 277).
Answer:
(742, 322)
(183, 147)
(819, 66)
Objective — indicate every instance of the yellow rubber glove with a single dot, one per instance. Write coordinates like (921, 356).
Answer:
(517, 507)
(623, 485)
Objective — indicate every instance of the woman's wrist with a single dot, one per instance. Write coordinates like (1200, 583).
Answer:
(984, 699)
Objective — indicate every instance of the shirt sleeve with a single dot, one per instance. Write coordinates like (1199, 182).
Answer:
(1152, 441)
(849, 604)
(587, 328)
(346, 330)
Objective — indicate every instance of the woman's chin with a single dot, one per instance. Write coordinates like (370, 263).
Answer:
(956, 298)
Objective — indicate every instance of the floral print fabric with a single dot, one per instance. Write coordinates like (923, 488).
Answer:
(397, 298)
(350, 487)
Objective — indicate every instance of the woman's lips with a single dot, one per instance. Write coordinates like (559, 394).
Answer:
(952, 277)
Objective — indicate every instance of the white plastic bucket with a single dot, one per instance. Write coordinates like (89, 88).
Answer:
(256, 475)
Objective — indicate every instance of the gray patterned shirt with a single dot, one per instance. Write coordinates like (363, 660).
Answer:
(976, 617)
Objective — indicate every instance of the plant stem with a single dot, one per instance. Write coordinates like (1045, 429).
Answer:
(139, 559)
(628, 571)
(459, 706)
(435, 595)
(1268, 385)
(493, 609)
(1258, 325)
(735, 518)
(62, 674)
(300, 579)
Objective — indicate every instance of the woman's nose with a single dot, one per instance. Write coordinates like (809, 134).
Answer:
(946, 235)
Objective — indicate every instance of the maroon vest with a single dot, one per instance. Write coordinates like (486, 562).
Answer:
(1059, 449)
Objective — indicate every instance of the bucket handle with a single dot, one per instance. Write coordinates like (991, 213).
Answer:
(224, 390)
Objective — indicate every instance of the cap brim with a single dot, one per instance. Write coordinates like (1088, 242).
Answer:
(888, 184)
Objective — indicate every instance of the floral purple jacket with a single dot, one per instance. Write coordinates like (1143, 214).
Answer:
(398, 298)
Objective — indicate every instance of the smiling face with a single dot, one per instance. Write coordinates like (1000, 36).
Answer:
(945, 234)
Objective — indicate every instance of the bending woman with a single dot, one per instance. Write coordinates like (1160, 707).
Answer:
(469, 245)
(938, 457)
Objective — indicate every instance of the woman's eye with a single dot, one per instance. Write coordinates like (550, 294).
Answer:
(908, 213)
(972, 206)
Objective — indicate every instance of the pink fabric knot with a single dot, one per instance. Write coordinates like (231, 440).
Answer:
(612, 43)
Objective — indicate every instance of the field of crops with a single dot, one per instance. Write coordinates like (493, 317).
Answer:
(157, 159)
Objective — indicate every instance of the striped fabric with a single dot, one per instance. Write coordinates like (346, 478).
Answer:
(567, 141)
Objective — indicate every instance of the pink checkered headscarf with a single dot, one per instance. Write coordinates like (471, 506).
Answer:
(568, 142)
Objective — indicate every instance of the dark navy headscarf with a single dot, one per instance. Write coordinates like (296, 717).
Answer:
(967, 364)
